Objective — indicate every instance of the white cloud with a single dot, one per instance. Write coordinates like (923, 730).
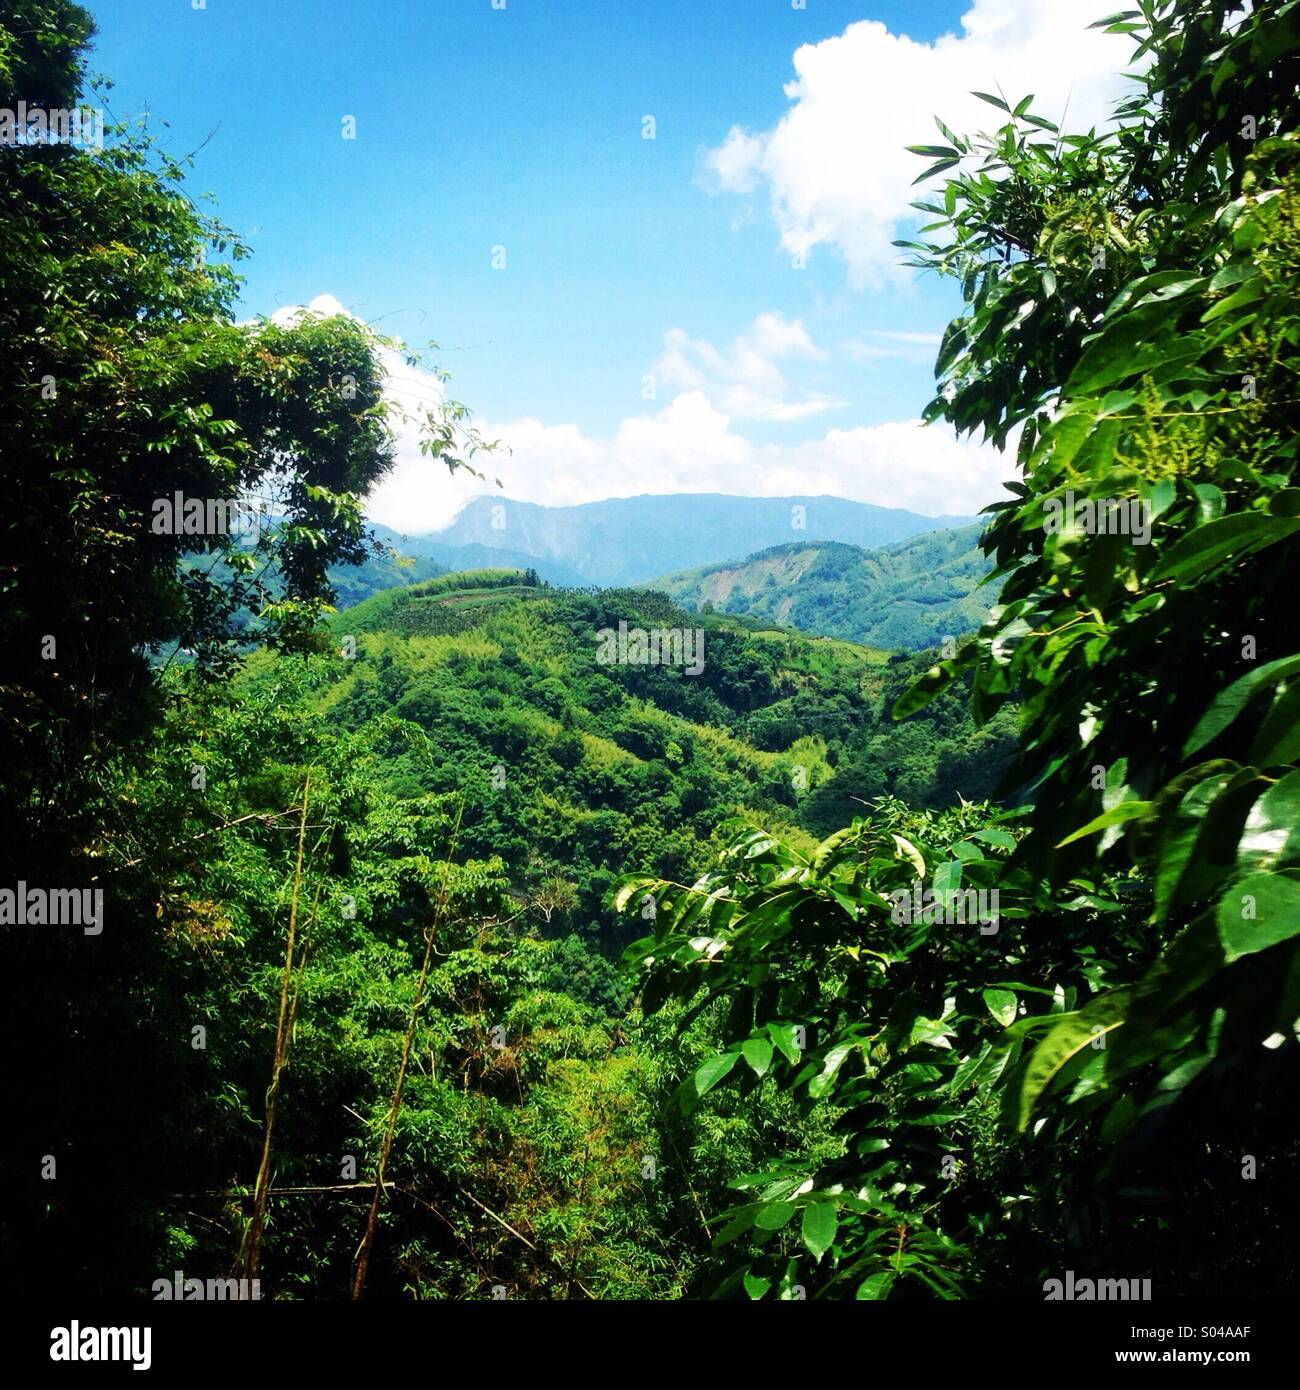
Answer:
(914, 339)
(905, 463)
(744, 380)
(911, 347)
(691, 446)
(322, 304)
(736, 163)
(835, 167)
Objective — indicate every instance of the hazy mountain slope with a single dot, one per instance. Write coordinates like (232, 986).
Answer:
(909, 595)
(395, 566)
(474, 556)
(442, 555)
(628, 540)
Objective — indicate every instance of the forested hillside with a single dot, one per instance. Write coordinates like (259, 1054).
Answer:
(458, 751)
(571, 769)
(486, 939)
(911, 595)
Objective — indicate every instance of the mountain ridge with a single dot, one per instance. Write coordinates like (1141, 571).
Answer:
(629, 540)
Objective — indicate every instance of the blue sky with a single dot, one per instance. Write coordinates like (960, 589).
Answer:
(523, 128)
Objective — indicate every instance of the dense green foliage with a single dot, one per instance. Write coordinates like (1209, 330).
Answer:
(918, 1001)
(912, 595)
(1160, 712)
(572, 769)
(1132, 313)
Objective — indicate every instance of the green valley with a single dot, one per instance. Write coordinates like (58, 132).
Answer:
(572, 769)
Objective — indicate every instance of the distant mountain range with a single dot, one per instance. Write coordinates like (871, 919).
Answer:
(629, 540)
(910, 595)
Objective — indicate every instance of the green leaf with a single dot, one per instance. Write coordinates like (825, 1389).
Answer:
(713, 1071)
(742, 1222)
(993, 101)
(1229, 703)
(1002, 1004)
(1117, 815)
(1069, 1035)
(773, 1215)
(1162, 286)
(1187, 832)
(925, 688)
(784, 1036)
(821, 1083)
(755, 1285)
(940, 168)
(907, 850)
(1223, 73)
(877, 1287)
(947, 879)
(1232, 274)
(1128, 347)
(818, 1228)
(1271, 836)
(1230, 537)
(949, 135)
(629, 889)
(826, 850)
(1258, 912)
(789, 1290)
(758, 1053)
(1278, 740)
(1248, 293)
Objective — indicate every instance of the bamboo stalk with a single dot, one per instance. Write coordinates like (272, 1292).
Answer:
(252, 1253)
(368, 1239)
(302, 967)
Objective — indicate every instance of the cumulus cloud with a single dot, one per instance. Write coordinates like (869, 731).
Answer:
(835, 168)
(417, 494)
(691, 446)
(744, 379)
